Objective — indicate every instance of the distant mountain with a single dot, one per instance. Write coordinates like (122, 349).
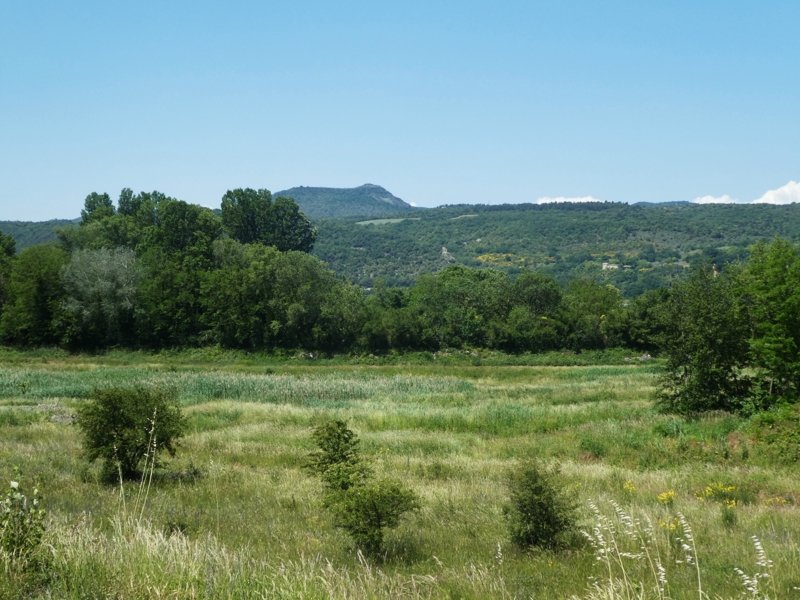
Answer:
(366, 200)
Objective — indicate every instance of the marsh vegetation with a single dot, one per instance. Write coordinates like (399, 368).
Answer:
(236, 514)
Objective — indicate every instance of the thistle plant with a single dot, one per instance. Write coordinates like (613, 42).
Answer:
(21, 525)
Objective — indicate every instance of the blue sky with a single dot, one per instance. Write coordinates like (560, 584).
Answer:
(439, 102)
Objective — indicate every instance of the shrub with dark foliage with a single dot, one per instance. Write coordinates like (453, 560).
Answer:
(122, 426)
(541, 513)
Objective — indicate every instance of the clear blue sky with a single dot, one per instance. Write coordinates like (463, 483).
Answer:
(440, 102)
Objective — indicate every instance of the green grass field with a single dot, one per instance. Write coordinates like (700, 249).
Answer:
(235, 515)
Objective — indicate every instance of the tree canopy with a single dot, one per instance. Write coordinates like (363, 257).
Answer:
(251, 216)
(733, 338)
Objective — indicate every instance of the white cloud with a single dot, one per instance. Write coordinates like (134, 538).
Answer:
(562, 199)
(724, 199)
(787, 194)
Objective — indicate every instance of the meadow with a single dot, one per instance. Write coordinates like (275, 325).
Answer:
(235, 515)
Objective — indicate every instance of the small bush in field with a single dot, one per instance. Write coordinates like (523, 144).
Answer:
(365, 511)
(363, 507)
(123, 426)
(21, 526)
(540, 512)
(337, 460)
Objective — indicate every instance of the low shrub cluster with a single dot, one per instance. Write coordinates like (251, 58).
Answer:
(363, 506)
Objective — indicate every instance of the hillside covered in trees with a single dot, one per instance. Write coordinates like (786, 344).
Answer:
(29, 233)
(364, 201)
(633, 247)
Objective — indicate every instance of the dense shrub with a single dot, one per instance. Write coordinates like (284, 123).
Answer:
(365, 511)
(540, 512)
(123, 426)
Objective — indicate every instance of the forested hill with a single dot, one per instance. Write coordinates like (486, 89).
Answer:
(642, 246)
(29, 233)
(368, 201)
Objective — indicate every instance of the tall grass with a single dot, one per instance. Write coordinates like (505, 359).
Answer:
(234, 515)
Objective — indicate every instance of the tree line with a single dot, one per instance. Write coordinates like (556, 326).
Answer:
(154, 272)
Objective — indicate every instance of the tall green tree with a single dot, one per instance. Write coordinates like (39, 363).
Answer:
(239, 297)
(96, 207)
(100, 287)
(246, 213)
(341, 318)
(103, 226)
(176, 254)
(593, 314)
(257, 297)
(533, 322)
(458, 306)
(32, 313)
(539, 293)
(8, 249)
(770, 290)
(251, 216)
(707, 347)
(525, 331)
(290, 229)
(647, 322)
(302, 290)
(137, 216)
(183, 228)
(388, 322)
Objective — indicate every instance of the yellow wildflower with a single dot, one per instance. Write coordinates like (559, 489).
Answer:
(666, 498)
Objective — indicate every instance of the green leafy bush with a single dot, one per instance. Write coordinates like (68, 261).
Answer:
(541, 512)
(337, 460)
(362, 506)
(123, 426)
(365, 511)
(21, 526)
